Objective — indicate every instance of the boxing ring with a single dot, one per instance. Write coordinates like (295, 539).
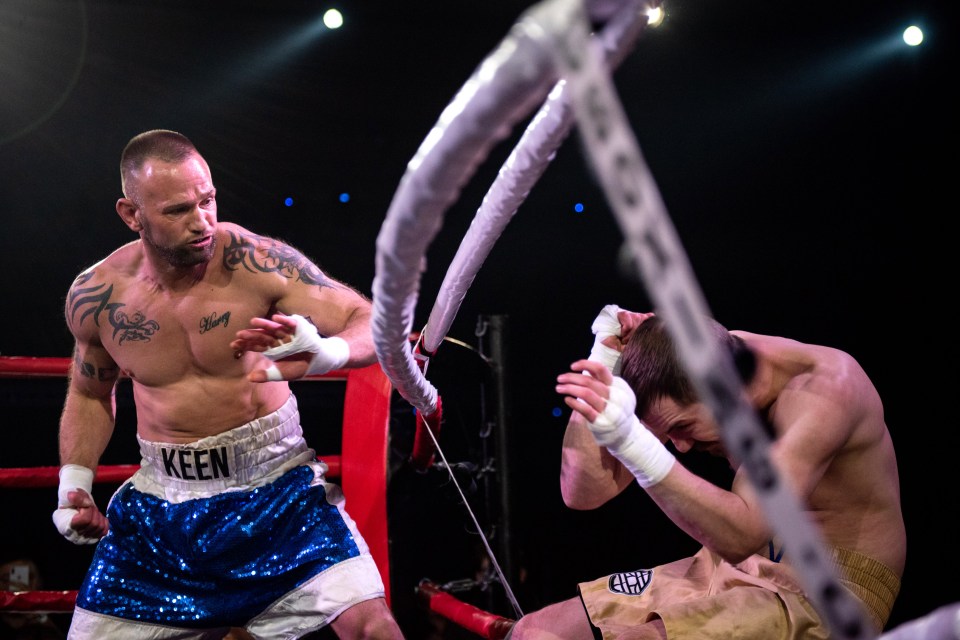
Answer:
(517, 76)
(550, 58)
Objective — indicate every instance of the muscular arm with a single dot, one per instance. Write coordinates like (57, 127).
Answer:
(589, 475)
(721, 520)
(87, 420)
(337, 310)
(733, 523)
(298, 286)
(89, 411)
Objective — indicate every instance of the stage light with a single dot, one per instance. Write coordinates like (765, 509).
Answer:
(912, 35)
(655, 16)
(333, 19)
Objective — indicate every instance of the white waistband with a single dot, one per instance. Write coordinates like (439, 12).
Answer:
(239, 459)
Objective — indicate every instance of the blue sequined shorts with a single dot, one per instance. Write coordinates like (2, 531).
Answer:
(224, 559)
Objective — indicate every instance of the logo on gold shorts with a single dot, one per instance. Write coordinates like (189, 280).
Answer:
(630, 583)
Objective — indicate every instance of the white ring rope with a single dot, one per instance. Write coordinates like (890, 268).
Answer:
(502, 89)
(665, 270)
(943, 623)
(506, 86)
(522, 169)
(517, 73)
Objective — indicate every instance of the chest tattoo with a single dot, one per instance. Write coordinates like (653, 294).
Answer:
(95, 300)
(214, 320)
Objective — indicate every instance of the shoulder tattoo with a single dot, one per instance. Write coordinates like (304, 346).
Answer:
(259, 254)
(94, 300)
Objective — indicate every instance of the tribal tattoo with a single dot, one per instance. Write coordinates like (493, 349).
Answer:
(94, 300)
(277, 257)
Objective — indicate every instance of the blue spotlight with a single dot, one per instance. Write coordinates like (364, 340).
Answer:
(288, 201)
(344, 197)
(578, 207)
(557, 412)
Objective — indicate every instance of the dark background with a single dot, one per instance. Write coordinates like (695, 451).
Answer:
(806, 158)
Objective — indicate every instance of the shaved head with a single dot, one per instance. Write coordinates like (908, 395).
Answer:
(160, 144)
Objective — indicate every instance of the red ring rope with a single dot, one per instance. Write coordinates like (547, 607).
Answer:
(484, 624)
(37, 601)
(34, 477)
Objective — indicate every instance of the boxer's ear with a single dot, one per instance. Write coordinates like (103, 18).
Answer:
(130, 214)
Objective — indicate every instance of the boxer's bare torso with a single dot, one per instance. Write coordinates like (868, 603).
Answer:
(172, 339)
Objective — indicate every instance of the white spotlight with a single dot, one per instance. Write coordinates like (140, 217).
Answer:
(913, 36)
(333, 19)
(655, 16)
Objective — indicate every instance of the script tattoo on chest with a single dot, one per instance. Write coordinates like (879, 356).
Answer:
(214, 320)
(273, 257)
(95, 300)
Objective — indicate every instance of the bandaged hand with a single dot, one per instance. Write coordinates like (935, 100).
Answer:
(327, 354)
(607, 403)
(619, 430)
(606, 325)
(93, 525)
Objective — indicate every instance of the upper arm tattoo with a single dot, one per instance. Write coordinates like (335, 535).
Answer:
(277, 257)
(92, 371)
(94, 300)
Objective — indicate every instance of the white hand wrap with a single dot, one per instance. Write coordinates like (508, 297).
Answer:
(621, 432)
(72, 477)
(328, 353)
(605, 325)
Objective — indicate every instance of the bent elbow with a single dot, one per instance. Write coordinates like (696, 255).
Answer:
(580, 503)
(739, 550)
(580, 498)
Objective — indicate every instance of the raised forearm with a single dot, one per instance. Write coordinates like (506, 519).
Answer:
(589, 475)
